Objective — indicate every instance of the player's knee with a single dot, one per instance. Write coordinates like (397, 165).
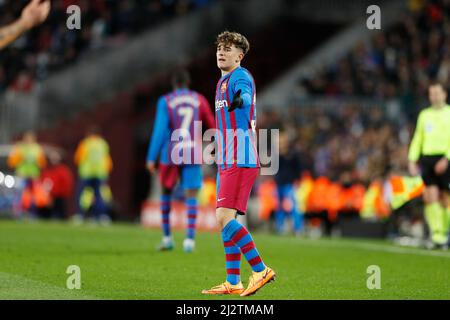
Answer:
(444, 198)
(223, 216)
(431, 194)
(220, 218)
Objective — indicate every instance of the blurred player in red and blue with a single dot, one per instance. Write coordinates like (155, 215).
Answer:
(238, 164)
(179, 114)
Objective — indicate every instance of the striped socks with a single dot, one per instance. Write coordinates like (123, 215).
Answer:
(242, 239)
(232, 260)
(192, 206)
(165, 211)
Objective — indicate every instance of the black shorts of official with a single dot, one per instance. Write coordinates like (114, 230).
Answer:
(429, 176)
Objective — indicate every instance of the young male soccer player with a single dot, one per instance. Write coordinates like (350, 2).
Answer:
(33, 14)
(430, 147)
(178, 111)
(238, 164)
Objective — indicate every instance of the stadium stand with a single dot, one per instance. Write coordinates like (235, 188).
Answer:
(106, 25)
(397, 63)
(375, 88)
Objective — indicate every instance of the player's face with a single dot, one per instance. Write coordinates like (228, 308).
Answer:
(29, 137)
(228, 56)
(437, 95)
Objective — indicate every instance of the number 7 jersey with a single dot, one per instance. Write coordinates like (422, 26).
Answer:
(176, 117)
(236, 131)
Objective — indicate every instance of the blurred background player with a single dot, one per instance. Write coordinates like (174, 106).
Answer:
(238, 164)
(28, 158)
(430, 147)
(32, 15)
(94, 166)
(58, 180)
(289, 171)
(178, 110)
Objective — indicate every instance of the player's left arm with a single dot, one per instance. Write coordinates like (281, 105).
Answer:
(41, 160)
(33, 14)
(14, 158)
(109, 161)
(442, 165)
(242, 93)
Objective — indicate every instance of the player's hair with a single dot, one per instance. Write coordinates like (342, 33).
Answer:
(228, 37)
(181, 78)
(434, 83)
(93, 130)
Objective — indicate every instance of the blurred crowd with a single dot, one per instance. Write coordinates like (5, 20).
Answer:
(397, 62)
(53, 46)
(352, 143)
(352, 162)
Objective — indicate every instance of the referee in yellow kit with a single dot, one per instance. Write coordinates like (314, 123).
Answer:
(430, 151)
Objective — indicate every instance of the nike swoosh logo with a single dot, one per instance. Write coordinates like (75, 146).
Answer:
(218, 200)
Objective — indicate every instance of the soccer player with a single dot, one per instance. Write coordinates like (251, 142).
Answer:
(33, 14)
(290, 170)
(178, 112)
(59, 179)
(430, 147)
(94, 166)
(238, 164)
(28, 159)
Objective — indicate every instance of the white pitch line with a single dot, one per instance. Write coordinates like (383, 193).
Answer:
(382, 248)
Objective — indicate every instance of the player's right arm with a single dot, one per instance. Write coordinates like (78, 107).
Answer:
(33, 14)
(80, 152)
(14, 158)
(416, 147)
(159, 135)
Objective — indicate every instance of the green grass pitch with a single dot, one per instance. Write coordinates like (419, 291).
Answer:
(120, 262)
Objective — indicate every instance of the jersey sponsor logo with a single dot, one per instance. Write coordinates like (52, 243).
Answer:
(428, 127)
(221, 104)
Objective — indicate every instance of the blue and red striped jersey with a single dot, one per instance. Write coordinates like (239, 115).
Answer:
(176, 115)
(236, 144)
